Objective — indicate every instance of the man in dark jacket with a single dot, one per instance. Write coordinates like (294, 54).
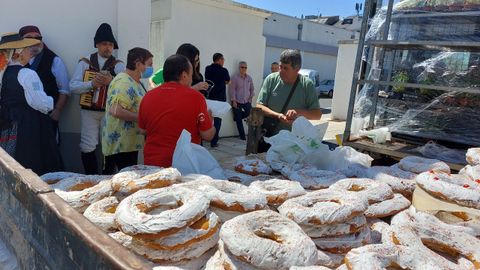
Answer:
(220, 77)
(52, 72)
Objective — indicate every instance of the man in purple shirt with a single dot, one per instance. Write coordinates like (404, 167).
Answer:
(241, 94)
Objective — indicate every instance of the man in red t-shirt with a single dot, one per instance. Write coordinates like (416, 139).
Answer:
(170, 108)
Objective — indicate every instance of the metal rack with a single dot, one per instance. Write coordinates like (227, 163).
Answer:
(426, 45)
(413, 33)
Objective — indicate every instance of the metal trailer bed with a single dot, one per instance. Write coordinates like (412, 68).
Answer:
(44, 232)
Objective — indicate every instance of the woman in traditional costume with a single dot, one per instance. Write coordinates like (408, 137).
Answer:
(25, 127)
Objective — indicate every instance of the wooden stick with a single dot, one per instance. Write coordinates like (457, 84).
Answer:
(255, 121)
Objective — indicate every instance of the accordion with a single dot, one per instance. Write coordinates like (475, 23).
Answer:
(95, 99)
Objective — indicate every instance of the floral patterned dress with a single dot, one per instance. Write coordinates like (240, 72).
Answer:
(120, 136)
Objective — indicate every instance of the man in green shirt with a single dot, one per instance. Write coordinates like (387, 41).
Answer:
(276, 89)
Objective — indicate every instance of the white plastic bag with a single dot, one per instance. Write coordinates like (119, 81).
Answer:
(292, 146)
(437, 151)
(304, 145)
(347, 160)
(343, 159)
(379, 135)
(218, 108)
(192, 158)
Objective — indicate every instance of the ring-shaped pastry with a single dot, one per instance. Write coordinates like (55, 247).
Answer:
(156, 213)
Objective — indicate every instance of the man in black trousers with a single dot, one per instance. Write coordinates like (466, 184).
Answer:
(220, 77)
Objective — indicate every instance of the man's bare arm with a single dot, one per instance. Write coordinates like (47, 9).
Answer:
(273, 114)
(314, 114)
(268, 112)
(208, 134)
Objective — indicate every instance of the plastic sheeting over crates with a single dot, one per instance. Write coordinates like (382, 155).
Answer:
(423, 78)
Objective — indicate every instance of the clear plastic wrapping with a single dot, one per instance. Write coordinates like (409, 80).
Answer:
(425, 74)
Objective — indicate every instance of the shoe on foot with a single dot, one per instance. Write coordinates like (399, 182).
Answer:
(214, 145)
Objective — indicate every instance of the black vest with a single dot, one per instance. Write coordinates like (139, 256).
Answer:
(13, 94)
(44, 71)
(109, 64)
(93, 65)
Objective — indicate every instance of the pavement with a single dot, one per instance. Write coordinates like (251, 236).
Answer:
(229, 147)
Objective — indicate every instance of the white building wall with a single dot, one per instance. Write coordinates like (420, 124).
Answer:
(133, 24)
(323, 34)
(213, 26)
(281, 26)
(68, 28)
(286, 26)
(345, 67)
(322, 63)
(272, 54)
(312, 33)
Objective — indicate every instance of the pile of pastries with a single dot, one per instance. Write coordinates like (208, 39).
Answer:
(286, 216)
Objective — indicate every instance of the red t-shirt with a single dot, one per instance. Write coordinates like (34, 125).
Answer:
(164, 112)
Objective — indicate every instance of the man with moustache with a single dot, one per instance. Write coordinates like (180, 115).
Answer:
(106, 67)
(52, 72)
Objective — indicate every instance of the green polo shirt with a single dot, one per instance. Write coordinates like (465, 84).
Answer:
(274, 94)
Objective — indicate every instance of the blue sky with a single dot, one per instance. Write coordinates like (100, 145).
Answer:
(296, 8)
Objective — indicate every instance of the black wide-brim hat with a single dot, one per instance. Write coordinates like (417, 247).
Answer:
(13, 40)
(104, 33)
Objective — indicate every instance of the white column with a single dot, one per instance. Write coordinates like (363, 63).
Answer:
(157, 43)
(347, 52)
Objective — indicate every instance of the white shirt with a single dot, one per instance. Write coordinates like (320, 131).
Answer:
(78, 86)
(33, 90)
(59, 70)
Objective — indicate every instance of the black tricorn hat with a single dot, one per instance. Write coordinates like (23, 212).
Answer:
(104, 33)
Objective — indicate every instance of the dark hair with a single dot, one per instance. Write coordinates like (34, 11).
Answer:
(190, 51)
(174, 66)
(292, 57)
(217, 56)
(274, 63)
(137, 55)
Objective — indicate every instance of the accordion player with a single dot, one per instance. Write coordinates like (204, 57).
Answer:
(95, 99)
